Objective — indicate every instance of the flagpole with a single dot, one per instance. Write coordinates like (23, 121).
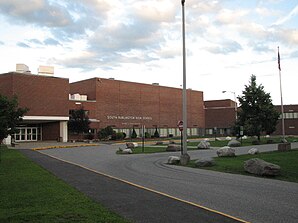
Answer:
(281, 100)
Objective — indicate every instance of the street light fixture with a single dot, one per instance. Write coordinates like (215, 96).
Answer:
(184, 157)
(235, 100)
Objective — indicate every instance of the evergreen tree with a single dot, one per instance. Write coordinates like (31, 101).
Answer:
(156, 133)
(133, 134)
(257, 114)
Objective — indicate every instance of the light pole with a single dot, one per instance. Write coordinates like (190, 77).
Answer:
(184, 157)
(235, 99)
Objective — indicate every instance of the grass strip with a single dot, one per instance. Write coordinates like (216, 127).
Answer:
(29, 193)
(288, 161)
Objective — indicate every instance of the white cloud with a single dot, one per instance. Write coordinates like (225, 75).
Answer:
(288, 17)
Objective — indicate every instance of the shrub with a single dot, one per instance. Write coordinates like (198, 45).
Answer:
(270, 141)
(147, 135)
(255, 142)
(89, 136)
(120, 135)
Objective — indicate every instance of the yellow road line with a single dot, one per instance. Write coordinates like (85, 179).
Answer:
(148, 189)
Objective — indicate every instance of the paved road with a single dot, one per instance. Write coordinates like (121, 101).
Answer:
(249, 198)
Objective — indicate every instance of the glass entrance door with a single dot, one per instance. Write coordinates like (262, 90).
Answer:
(26, 134)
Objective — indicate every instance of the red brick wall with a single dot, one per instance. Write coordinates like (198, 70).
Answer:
(220, 117)
(86, 87)
(44, 96)
(6, 85)
(145, 104)
(219, 103)
(291, 124)
(50, 131)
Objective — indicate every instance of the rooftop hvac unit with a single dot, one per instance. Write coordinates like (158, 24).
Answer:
(46, 70)
(22, 68)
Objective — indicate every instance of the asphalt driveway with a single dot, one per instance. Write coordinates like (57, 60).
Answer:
(244, 197)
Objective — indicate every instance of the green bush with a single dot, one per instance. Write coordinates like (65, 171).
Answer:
(147, 135)
(255, 142)
(120, 135)
(270, 141)
(89, 136)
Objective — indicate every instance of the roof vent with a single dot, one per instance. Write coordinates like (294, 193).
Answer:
(155, 84)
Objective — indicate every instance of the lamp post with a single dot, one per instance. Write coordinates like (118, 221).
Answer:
(184, 157)
(235, 99)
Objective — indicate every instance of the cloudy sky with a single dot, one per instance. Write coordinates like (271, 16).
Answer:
(140, 41)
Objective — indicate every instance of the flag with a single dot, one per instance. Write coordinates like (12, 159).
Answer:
(278, 59)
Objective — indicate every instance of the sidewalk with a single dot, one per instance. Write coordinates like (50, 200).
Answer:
(133, 203)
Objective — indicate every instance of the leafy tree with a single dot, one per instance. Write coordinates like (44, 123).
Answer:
(10, 116)
(78, 121)
(257, 114)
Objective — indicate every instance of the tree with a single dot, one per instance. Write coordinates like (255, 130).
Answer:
(106, 133)
(156, 133)
(78, 121)
(10, 116)
(257, 114)
(133, 134)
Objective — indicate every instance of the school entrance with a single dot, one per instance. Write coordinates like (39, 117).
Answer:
(28, 134)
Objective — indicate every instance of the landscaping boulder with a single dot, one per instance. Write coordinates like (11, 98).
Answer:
(228, 138)
(204, 162)
(204, 145)
(262, 168)
(173, 148)
(234, 143)
(173, 160)
(253, 151)
(126, 151)
(225, 151)
(131, 145)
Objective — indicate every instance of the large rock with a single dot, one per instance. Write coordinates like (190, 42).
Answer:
(204, 145)
(126, 151)
(204, 162)
(225, 151)
(173, 148)
(260, 167)
(253, 151)
(173, 160)
(131, 145)
(228, 138)
(234, 143)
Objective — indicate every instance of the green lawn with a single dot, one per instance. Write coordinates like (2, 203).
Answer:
(28, 193)
(288, 161)
(246, 142)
